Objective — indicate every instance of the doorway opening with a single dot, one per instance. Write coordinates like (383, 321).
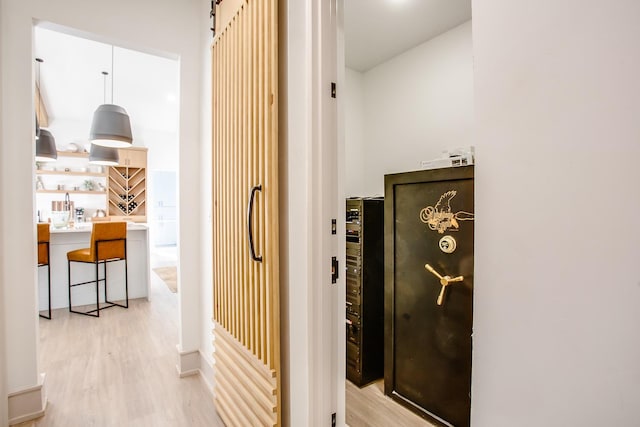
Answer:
(79, 73)
(409, 99)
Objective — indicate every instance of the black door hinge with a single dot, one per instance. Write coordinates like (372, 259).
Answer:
(334, 269)
(333, 226)
(333, 420)
(333, 89)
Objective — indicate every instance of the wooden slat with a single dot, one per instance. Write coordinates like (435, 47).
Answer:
(224, 280)
(228, 410)
(216, 103)
(246, 308)
(215, 112)
(254, 382)
(257, 165)
(261, 163)
(233, 33)
(254, 417)
(249, 172)
(272, 226)
(228, 177)
(240, 191)
(218, 196)
(226, 339)
(225, 12)
(217, 280)
(237, 375)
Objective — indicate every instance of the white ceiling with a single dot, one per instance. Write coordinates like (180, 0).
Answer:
(377, 30)
(147, 86)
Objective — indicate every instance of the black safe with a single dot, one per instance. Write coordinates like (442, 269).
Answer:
(429, 238)
(365, 289)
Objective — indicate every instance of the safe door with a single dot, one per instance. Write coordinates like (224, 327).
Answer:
(429, 229)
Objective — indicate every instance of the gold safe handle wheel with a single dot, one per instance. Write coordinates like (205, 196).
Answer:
(444, 281)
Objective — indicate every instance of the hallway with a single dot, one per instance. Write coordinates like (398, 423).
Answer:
(119, 369)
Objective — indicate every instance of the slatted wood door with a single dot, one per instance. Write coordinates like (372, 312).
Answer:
(245, 207)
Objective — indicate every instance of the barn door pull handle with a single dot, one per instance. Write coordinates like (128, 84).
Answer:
(444, 281)
(252, 251)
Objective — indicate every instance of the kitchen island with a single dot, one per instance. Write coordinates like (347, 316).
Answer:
(78, 237)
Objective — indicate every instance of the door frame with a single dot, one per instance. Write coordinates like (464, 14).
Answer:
(313, 333)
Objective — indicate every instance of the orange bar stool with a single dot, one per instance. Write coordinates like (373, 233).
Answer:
(108, 244)
(44, 235)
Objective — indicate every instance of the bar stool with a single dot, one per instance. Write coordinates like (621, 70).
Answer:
(44, 235)
(108, 244)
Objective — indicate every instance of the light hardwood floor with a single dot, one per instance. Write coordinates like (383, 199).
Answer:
(120, 369)
(369, 407)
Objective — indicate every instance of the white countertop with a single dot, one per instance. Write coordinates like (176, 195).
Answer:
(85, 227)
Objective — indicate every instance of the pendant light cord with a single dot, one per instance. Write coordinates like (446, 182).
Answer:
(112, 74)
(104, 87)
(39, 61)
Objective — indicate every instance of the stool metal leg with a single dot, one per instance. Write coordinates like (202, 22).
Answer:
(126, 280)
(69, 283)
(98, 290)
(48, 265)
(126, 276)
(97, 283)
(48, 316)
(105, 283)
(89, 313)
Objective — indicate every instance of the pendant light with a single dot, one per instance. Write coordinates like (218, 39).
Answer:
(111, 126)
(45, 142)
(98, 154)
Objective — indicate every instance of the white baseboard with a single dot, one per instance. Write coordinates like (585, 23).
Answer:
(188, 362)
(206, 372)
(194, 362)
(29, 403)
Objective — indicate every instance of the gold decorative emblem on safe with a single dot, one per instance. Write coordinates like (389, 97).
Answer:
(440, 218)
(447, 244)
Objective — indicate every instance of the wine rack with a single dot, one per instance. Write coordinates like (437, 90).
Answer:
(127, 192)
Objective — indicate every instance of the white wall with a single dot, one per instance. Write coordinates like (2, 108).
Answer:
(4, 416)
(295, 137)
(163, 148)
(355, 147)
(157, 26)
(67, 131)
(415, 106)
(557, 286)
(206, 243)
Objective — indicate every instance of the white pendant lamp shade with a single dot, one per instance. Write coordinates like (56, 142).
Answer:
(46, 147)
(111, 127)
(99, 155)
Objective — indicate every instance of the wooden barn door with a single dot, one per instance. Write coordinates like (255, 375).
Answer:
(245, 213)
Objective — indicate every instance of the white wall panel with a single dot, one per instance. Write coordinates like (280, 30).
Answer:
(557, 284)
